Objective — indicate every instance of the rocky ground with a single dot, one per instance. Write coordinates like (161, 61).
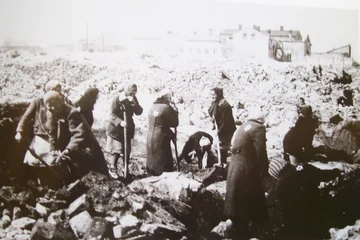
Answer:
(173, 206)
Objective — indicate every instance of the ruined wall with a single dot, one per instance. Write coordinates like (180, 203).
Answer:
(335, 60)
(296, 49)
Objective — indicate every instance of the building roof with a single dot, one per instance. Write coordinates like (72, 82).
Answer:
(229, 31)
(283, 33)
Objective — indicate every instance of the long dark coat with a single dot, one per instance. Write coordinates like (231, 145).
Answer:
(76, 135)
(222, 112)
(161, 118)
(245, 196)
(115, 130)
(35, 117)
(298, 140)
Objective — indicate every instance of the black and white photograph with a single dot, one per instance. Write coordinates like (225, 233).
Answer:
(180, 120)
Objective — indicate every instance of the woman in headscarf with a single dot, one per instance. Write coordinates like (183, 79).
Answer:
(245, 195)
(56, 86)
(125, 102)
(38, 122)
(221, 113)
(86, 104)
(163, 115)
(75, 141)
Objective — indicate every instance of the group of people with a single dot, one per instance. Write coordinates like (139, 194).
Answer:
(61, 144)
(63, 135)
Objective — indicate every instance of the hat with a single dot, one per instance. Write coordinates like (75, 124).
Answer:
(306, 110)
(52, 95)
(257, 114)
(52, 85)
(165, 92)
(275, 166)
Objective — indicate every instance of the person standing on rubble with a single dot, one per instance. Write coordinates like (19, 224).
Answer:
(163, 116)
(297, 142)
(221, 113)
(245, 201)
(125, 102)
(239, 113)
(44, 132)
(86, 104)
(76, 142)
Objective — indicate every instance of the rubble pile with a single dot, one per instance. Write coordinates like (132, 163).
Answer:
(98, 208)
(171, 206)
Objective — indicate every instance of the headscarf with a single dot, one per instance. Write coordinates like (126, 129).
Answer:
(219, 93)
(128, 88)
(52, 85)
(165, 92)
(306, 110)
(257, 114)
(52, 95)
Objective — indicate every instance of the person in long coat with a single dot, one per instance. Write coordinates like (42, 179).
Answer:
(86, 104)
(297, 142)
(126, 102)
(75, 140)
(38, 130)
(163, 115)
(245, 196)
(221, 113)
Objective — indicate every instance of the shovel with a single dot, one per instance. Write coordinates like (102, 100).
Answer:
(56, 174)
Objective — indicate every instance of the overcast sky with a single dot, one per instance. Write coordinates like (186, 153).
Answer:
(60, 22)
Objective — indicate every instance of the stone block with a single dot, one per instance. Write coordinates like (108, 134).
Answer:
(81, 223)
(80, 204)
(23, 223)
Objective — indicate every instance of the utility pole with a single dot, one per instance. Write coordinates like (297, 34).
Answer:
(87, 38)
(102, 42)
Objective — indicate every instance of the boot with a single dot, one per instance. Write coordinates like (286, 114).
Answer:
(113, 166)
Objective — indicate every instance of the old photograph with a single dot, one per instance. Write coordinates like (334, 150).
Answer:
(204, 119)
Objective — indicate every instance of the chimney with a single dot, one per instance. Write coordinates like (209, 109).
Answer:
(240, 27)
(281, 28)
(210, 32)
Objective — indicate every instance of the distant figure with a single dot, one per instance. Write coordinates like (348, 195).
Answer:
(347, 99)
(320, 70)
(245, 195)
(163, 115)
(300, 199)
(86, 104)
(126, 101)
(221, 113)
(300, 104)
(239, 113)
(200, 142)
(297, 142)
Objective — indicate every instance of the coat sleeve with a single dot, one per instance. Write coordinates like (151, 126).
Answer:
(259, 139)
(28, 116)
(137, 108)
(209, 137)
(77, 129)
(173, 117)
(114, 109)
